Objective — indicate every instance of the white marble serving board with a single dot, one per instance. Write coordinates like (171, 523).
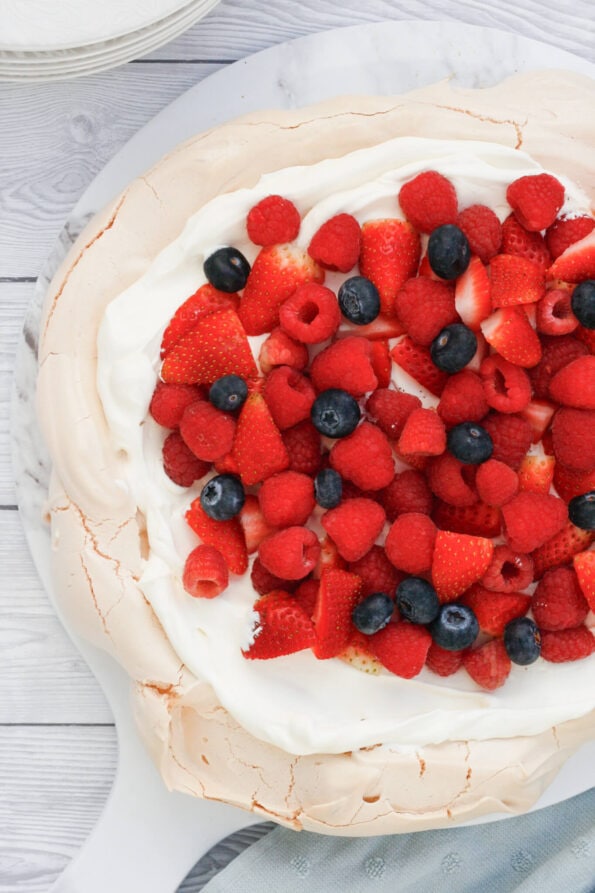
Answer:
(153, 837)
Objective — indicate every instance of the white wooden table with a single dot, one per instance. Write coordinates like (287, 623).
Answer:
(57, 740)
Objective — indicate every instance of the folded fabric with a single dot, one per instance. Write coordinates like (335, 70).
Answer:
(548, 851)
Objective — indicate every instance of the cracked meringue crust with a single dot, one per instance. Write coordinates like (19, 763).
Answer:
(99, 539)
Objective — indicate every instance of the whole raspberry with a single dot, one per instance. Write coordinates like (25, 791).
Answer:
(311, 314)
(180, 463)
(511, 436)
(423, 434)
(169, 402)
(531, 519)
(402, 648)
(567, 644)
(345, 364)
(575, 384)
(573, 437)
(565, 231)
(535, 200)
(336, 245)
(496, 482)
(304, 448)
(291, 553)
(281, 350)
(205, 573)
(463, 399)
(263, 581)
(452, 480)
(443, 662)
(364, 457)
(287, 499)
(208, 432)
(489, 665)
(289, 396)
(483, 231)
(354, 526)
(424, 307)
(507, 387)
(557, 353)
(407, 492)
(509, 571)
(558, 602)
(410, 543)
(390, 408)
(553, 313)
(376, 572)
(429, 200)
(273, 220)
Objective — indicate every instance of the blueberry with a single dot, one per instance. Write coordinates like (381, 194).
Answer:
(448, 251)
(581, 511)
(469, 443)
(583, 303)
(522, 641)
(455, 627)
(359, 300)
(335, 413)
(328, 488)
(228, 393)
(417, 600)
(222, 497)
(373, 613)
(453, 347)
(227, 269)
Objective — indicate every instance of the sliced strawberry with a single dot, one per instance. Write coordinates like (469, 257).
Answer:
(283, 627)
(515, 280)
(536, 473)
(417, 362)
(473, 300)
(258, 447)
(561, 548)
(217, 345)
(338, 594)
(275, 274)
(207, 299)
(577, 262)
(495, 609)
(510, 334)
(574, 385)
(226, 536)
(357, 654)
(565, 231)
(539, 414)
(584, 565)
(518, 241)
(389, 256)
(459, 560)
(253, 523)
(478, 519)
(383, 327)
(329, 558)
(402, 648)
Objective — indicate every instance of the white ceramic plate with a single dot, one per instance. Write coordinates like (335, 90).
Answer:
(37, 67)
(389, 57)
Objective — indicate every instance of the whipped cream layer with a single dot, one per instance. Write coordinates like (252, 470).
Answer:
(297, 702)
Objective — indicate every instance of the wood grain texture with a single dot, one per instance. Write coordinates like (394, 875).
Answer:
(236, 28)
(43, 678)
(14, 300)
(77, 127)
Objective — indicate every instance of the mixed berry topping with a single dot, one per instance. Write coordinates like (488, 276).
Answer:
(407, 475)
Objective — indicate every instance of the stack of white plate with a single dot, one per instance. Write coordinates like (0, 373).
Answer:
(41, 40)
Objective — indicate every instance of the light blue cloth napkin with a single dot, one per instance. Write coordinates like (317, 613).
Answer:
(548, 851)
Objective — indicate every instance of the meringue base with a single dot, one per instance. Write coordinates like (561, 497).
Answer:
(98, 535)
